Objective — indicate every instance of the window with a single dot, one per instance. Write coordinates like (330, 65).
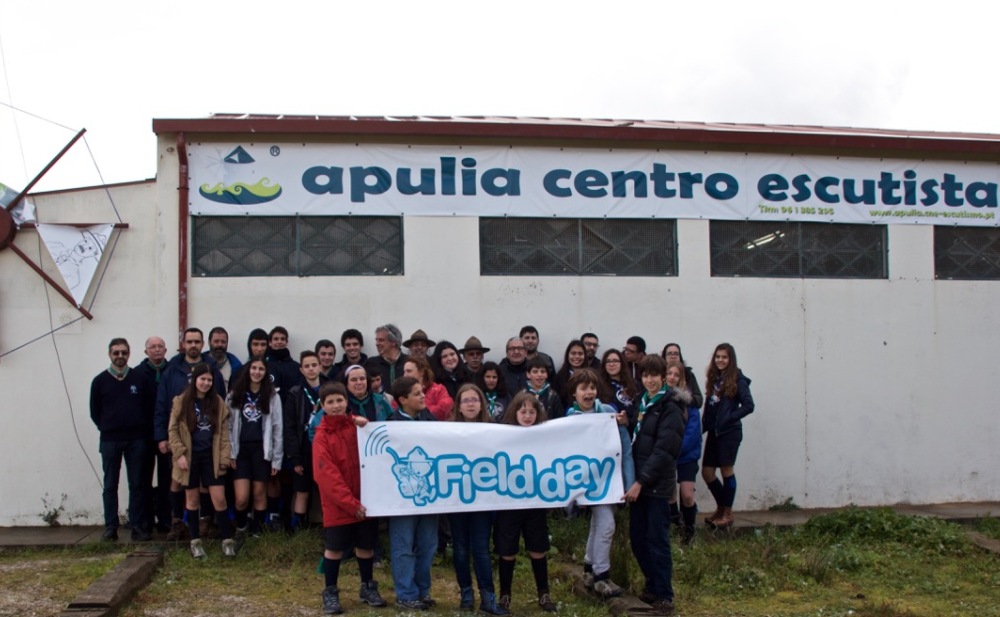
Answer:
(967, 253)
(804, 250)
(296, 246)
(577, 247)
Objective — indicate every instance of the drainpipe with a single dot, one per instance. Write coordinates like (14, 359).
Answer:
(182, 238)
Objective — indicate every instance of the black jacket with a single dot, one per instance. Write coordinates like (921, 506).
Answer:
(657, 445)
(727, 412)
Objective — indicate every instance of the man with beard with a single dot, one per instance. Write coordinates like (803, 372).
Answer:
(173, 380)
(117, 397)
(228, 364)
(591, 344)
(529, 334)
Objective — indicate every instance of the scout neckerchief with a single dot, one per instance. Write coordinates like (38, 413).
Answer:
(645, 403)
(538, 393)
(119, 376)
(491, 398)
(314, 401)
(157, 367)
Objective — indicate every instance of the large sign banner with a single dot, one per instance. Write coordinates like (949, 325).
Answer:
(436, 467)
(312, 179)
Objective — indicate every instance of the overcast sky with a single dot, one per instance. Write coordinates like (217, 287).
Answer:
(111, 67)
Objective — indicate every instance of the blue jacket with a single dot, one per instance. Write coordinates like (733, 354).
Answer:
(725, 413)
(628, 464)
(173, 380)
(691, 446)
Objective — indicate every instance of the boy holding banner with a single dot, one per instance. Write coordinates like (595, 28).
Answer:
(337, 469)
(582, 388)
(413, 539)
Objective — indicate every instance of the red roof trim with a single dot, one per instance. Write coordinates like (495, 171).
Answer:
(636, 131)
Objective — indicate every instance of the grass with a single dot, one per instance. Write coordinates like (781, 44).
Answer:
(852, 563)
(42, 582)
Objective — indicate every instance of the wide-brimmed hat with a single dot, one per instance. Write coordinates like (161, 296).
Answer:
(473, 344)
(418, 335)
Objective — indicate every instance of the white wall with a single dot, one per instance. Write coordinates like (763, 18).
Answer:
(867, 391)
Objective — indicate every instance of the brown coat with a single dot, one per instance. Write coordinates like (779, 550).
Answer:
(180, 440)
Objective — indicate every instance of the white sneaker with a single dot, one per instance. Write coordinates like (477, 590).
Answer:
(197, 551)
(229, 547)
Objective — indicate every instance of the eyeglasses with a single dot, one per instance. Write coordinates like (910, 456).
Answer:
(613, 362)
(673, 353)
(115, 354)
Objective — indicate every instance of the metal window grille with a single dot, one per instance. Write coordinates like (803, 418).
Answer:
(577, 247)
(967, 253)
(800, 250)
(296, 246)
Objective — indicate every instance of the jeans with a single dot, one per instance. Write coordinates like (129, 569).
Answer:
(134, 453)
(649, 528)
(470, 535)
(412, 543)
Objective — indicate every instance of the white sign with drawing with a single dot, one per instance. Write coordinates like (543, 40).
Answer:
(77, 252)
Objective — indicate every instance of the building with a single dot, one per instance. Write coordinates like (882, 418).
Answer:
(853, 270)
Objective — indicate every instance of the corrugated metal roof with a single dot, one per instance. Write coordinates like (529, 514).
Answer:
(708, 134)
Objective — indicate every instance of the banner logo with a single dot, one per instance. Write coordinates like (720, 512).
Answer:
(240, 192)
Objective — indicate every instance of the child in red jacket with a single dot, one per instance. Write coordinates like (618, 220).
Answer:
(337, 470)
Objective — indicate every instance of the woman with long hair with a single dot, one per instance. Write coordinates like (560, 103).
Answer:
(672, 352)
(449, 370)
(494, 388)
(470, 531)
(728, 402)
(257, 439)
(436, 397)
(623, 391)
(574, 359)
(199, 443)
(683, 515)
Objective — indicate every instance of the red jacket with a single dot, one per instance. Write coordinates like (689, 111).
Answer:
(337, 469)
(438, 401)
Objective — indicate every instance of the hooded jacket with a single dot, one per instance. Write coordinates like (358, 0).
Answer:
(656, 445)
(337, 469)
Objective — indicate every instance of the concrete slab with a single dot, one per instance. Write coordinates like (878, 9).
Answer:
(748, 520)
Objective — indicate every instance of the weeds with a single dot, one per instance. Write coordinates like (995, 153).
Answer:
(788, 505)
(51, 511)
(988, 526)
(881, 525)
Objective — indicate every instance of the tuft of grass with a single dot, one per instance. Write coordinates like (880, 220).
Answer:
(788, 505)
(883, 525)
(988, 526)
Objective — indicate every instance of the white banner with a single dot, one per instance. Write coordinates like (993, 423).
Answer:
(288, 179)
(436, 467)
(77, 251)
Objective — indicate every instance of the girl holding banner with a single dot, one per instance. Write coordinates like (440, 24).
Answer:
(524, 410)
(470, 531)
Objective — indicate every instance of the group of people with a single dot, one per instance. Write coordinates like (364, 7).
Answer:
(224, 436)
